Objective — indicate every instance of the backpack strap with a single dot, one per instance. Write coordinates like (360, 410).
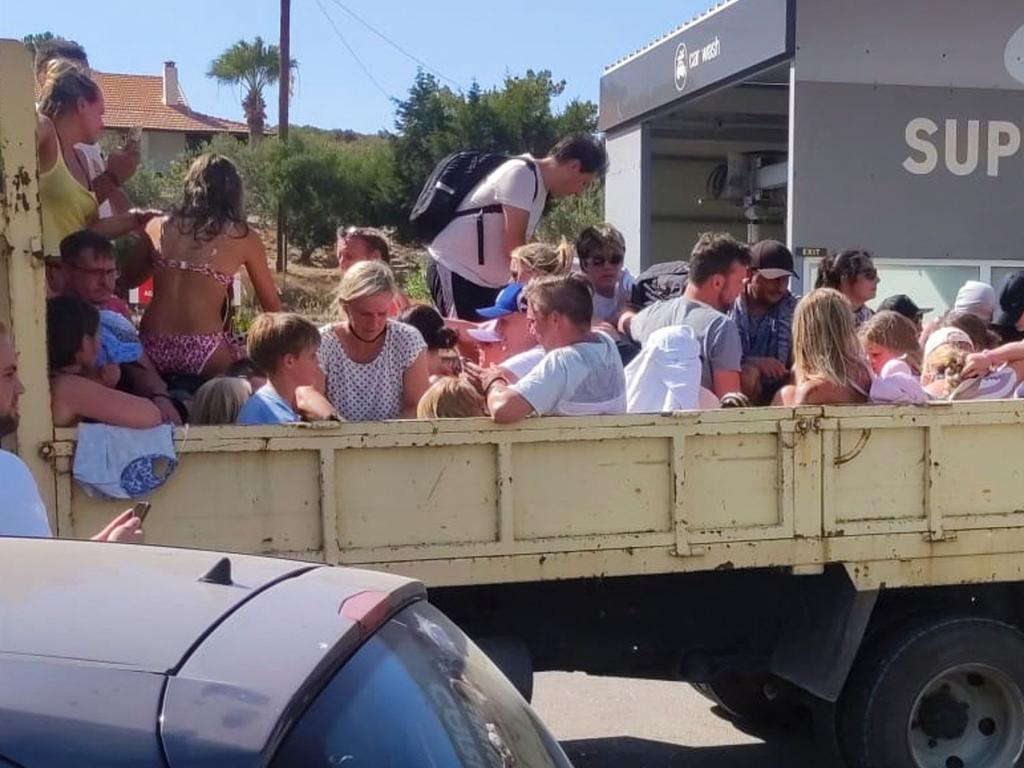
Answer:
(480, 211)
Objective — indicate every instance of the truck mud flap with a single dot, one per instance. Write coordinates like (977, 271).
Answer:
(820, 638)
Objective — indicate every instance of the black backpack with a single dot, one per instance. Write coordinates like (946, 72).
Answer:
(660, 282)
(451, 180)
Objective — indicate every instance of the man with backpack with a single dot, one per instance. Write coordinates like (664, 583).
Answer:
(475, 209)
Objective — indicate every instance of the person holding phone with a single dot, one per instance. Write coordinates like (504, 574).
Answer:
(21, 508)
(107, 173)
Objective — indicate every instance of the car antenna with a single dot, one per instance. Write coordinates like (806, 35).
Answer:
(220, 573)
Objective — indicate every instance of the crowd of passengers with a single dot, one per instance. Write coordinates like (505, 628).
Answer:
(516, 328)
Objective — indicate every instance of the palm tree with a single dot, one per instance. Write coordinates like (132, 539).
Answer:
(253, 66)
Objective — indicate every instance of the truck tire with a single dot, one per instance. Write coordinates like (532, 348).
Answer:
(745, 698)
(512, 656)
(944, 693)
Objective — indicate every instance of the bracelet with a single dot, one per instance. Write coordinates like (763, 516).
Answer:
(492, 382)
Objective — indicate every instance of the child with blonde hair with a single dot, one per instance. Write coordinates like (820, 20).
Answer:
(890, 336)
(451, 397)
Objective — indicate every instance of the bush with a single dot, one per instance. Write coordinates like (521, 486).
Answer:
(568, 216)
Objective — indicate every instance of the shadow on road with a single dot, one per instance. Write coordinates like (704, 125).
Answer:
(642, 753)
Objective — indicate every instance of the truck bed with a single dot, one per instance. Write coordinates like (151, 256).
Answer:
(901, 496)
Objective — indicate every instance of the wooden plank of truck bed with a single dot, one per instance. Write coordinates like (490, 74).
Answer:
(899, 495)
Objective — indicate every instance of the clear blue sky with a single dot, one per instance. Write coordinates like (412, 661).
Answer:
(464, 40)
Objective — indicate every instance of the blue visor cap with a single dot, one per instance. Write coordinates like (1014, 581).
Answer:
(510, 300)
(119, 341)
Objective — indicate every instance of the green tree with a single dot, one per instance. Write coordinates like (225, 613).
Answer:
(31, 41)
(252, 66)
(515, 118)
(568, 216)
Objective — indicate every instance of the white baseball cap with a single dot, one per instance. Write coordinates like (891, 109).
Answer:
(977, 298)
(947, 335)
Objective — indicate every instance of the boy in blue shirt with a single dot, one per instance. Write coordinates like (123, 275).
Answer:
(284, 346)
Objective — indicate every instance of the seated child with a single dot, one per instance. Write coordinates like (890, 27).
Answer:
(220, 400)
(451, 397)
(891, 344)
(284, 346)
(79, 390)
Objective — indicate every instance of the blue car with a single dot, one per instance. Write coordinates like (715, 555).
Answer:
(122, 655)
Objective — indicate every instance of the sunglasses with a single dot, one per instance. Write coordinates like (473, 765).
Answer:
(600, 261)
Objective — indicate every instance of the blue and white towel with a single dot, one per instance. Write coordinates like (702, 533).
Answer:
(123, 463)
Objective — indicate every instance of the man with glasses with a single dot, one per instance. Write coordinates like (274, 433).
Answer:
(602, 251)
(90, 273)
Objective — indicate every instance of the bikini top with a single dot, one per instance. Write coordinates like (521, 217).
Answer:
(200, 269)
(207, 270)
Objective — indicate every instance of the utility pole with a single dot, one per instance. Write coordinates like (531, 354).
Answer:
(284, 83)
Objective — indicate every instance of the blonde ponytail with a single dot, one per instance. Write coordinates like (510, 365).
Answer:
(63, 86)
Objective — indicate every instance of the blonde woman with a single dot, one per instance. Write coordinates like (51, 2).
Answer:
(376, 367)
(540, 259)
(828, 363)
(220, 400)
(70, 113)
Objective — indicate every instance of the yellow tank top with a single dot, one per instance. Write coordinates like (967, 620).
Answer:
(67, 206)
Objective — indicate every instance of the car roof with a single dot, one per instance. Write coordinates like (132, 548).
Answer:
(127, 605)
(85, 625)
(233, 700)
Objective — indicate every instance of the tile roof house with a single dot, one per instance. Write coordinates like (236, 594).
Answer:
(156, 104)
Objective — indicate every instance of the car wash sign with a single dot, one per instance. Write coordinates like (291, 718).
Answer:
(722, 46)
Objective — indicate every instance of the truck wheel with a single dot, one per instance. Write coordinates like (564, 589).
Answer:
(747, 699)
(512, 656)
(947, 693)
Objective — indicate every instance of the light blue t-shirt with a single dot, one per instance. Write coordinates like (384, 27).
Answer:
(266, 407)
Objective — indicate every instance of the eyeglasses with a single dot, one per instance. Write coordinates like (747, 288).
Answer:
(600, 261)
(870, 274)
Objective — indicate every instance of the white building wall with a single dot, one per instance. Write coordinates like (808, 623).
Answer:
(625, 193)
(161, 148)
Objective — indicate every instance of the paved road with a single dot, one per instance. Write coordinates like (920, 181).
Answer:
(607, 722)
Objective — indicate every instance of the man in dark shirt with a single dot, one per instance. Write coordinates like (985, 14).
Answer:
(763, 313)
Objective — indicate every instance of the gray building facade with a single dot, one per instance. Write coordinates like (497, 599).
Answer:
(889, 125)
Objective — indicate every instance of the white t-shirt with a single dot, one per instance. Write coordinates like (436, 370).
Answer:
(510, 184)
(521, 364)
(607, 308)
(21, 509)
(578, 380)
(96, 164)
(370, 391)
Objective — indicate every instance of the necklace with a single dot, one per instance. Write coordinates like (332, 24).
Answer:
(367, 341)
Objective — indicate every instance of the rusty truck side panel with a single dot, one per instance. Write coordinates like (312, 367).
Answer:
(899, 496)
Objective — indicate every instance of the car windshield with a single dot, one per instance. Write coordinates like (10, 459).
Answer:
(419, 693)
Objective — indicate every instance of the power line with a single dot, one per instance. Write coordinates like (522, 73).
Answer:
(355, 55)
(395, 45)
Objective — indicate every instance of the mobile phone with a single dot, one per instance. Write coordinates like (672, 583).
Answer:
(141, 509)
